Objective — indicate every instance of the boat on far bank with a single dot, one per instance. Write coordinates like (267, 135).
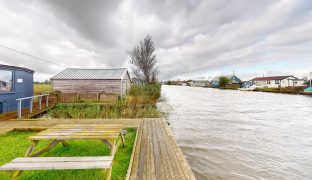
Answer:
(248, 88)
(308, 90)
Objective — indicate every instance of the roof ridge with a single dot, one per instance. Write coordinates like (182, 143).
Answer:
(97, 68)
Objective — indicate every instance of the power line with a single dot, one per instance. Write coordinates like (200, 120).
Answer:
(26, 54)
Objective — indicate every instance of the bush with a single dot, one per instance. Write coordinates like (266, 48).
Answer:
(224, 81)
(144, 94)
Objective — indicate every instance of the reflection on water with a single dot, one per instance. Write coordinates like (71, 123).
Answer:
(242, 135)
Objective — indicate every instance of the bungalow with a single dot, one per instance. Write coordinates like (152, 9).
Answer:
(200, 83)
(15, 82)
(72, 80)
(215, 83)
(278, 81)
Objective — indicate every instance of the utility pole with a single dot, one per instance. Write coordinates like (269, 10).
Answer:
(310, 79)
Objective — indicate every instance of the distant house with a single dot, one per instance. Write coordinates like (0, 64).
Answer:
(15, 82)
(72, 80)
(278, 81)
(215, 83)
(200, 83)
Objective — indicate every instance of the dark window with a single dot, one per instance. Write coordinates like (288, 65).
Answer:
(277, 82)
(268, 82)
(6, 79)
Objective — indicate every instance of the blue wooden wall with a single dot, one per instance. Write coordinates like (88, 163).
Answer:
(24, 89)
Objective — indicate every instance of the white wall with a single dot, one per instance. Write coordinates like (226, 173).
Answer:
(288, 82)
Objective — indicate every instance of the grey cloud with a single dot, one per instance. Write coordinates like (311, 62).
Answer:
(191, 36)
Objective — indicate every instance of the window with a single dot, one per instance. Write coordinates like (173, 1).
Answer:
(6, 79)
(268, 82)
(277, 82)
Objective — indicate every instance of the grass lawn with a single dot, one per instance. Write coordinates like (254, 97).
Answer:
(42, 88)
(15, 144)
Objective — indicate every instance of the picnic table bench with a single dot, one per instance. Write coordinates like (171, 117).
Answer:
(110, 134)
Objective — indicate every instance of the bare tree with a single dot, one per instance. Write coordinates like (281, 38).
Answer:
(144, 60)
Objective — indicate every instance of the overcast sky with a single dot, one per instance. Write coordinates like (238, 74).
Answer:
(193, 38)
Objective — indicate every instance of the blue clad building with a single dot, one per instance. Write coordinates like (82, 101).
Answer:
(15, 82)
(215, 83)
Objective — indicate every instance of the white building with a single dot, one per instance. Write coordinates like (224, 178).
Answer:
(199, 83)
(278, 81)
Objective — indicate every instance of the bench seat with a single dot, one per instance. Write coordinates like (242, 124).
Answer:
(58, 163)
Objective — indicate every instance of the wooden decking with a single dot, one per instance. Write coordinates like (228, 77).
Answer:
(157, 155)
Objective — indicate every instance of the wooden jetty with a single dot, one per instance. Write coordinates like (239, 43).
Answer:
(156, 154)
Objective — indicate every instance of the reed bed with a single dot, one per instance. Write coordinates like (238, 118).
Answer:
(113, 111)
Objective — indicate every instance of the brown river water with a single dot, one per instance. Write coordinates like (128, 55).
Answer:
(228, 134)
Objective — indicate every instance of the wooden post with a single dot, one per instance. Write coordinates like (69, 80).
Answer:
(31, 104)
(28, 154)
(47, 100)
(40, 101)
(19, 109)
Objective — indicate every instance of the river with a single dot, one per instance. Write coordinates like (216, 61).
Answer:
(228, 134)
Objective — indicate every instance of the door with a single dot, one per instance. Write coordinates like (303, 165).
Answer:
(1, 107)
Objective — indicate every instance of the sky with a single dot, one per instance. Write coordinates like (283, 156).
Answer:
(194, 39)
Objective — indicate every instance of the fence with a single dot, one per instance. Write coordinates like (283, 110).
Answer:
(87, 97)
(36, 104)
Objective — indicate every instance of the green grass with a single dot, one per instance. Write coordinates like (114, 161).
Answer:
(15, 144)
(42, 88)
(289, 90)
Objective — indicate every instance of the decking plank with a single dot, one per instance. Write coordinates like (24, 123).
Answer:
(159, 169)
(136, 157)
(164, 154)
(176, 166)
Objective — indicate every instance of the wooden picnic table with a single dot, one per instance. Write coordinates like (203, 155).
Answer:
(109, 134)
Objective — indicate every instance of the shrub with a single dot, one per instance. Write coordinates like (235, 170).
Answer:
(144, 94)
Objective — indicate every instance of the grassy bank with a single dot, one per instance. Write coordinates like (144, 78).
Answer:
(289, 90)
(15, 144)
(93, 110)
(42, 88)
(231, 86)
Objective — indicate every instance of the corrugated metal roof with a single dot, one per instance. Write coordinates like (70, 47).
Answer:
(74, 73)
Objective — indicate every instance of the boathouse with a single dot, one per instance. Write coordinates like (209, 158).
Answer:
(74, 80)
(15, 82)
